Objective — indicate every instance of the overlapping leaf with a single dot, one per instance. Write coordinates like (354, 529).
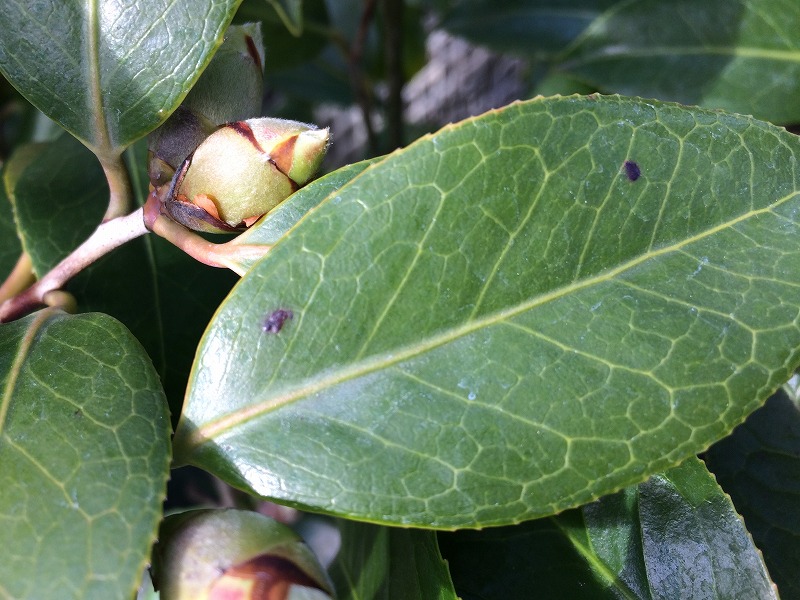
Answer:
(527, 27)
(675, 536)
(376, 562)
(511, 317)
(759, 466)
(109, 72)
(738, 55)
(84, 457)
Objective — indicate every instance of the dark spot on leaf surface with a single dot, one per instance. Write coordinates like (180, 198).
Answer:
(632, 170)
(275, 320)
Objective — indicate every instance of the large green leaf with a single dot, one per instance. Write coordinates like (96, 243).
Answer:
(738, 55)
(759, 466)
(511, 317)
(109, 73)
(377, 562)
(675, 536)
(84, 457)
(527, 27)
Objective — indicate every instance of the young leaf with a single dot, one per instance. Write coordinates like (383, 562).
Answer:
(738, 55)
(511, 317)
(84, 457)
(107, 73)
(675, 536)
(759, 466)
(377, 562)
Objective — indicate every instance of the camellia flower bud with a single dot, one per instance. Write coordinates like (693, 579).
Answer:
(242, 171)
(230, 89)
(224, 554)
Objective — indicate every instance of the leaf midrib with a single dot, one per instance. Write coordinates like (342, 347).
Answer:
(627, 51)
(102, 142)
(596, 564)
(384, 360)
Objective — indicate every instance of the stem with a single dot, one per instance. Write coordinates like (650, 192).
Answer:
(393, 19)
(357, 80)
(119, 184)
(224, 256)
(106, 237)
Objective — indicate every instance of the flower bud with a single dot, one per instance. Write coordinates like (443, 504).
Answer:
(242, 171)
(223, 554)
(230, 89)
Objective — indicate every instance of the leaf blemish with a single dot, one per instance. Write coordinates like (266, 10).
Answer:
(275, 320)
(632, 170)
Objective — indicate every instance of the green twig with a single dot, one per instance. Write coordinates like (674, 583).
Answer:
(108, 236)
(393, 22)
(357, 79)
(228, 255)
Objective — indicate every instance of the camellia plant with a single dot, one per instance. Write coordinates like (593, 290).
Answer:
(546, 351)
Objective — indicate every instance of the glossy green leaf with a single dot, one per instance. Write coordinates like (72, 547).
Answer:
(109, 73)
(738, 55)
(511, 317)
(695, 545)
(550, 556)
(377, 562)
(675, 536)
(277, 222)
(291, 13)
(759, 466)
(60, 196)
(84, 457)
(526, 27)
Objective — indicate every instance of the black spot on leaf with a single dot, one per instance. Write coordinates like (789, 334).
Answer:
(275, 320)
(632, 170)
